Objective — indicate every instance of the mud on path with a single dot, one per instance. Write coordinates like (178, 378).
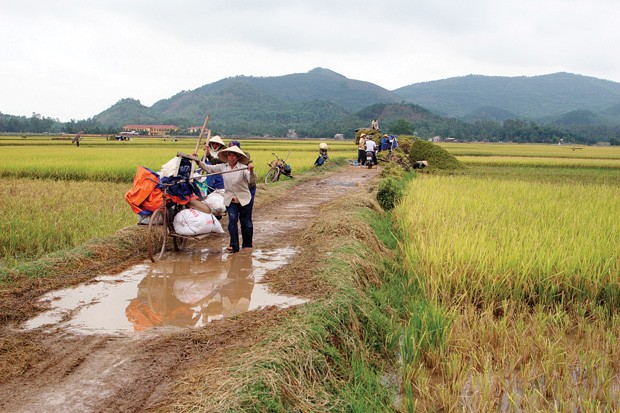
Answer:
(69, 371)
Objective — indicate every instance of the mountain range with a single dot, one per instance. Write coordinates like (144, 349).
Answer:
(322, 102)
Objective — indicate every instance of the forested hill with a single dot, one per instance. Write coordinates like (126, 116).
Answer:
(314, 103)
(323, 103)
(535, 97)
(317, 85)
(324, 84)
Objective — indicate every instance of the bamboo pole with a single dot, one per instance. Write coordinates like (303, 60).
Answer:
(204, 155)
(202, 131)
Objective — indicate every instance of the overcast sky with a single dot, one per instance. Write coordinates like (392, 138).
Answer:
(73, 59)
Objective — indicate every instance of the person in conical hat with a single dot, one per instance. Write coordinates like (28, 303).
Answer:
(212, 149)
(216, 143)
(320, 160)
(252, 187)
(361, 150)
(237, 197)
(241, 156)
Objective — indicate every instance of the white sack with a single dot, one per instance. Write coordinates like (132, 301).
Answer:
(215, 200)
(170, 168)
(193, 222)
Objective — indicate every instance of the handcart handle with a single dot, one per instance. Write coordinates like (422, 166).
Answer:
(195, 158)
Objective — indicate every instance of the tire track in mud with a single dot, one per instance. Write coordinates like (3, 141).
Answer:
(106, 373)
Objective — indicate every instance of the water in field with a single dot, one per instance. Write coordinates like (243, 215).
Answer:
(187, 291)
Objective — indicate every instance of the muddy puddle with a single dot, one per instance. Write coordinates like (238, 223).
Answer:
(187, 291)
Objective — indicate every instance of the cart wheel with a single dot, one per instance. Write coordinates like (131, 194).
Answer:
(158, 232)
(272, 175)
(179, 243)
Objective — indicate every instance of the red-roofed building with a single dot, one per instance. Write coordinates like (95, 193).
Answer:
(151, 129)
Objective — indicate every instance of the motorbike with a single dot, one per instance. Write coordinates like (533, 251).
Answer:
(370, 159)
(320, 160)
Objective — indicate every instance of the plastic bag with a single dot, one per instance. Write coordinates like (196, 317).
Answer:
(215, 200)
(200, 182)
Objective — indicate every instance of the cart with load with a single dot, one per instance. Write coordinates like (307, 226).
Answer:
(168, 200)
(173, 202)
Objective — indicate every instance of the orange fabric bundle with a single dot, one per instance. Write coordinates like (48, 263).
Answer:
(144, 196)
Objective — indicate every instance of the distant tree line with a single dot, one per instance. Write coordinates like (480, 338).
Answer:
(424, 124)
(40, 124)
(518, 131)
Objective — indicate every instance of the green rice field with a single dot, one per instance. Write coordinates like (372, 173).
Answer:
(98, 159)
(57, 196)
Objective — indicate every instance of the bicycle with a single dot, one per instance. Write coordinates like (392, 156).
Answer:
(161, 226)
(277, 168)
(161, 222)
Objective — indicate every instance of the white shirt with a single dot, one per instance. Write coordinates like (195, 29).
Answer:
(370, 146)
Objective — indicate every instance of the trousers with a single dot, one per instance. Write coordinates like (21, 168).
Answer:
(243, 215)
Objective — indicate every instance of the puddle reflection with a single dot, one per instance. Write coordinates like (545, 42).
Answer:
(186, 293)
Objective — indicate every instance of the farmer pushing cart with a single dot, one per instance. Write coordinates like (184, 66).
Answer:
(239, 177)
(177, 207)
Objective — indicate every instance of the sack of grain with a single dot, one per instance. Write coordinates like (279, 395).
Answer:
(192, 222)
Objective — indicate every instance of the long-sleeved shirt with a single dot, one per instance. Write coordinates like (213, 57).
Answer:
(235, 183)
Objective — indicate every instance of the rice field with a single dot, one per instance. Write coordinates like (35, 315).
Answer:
(100, 160)
(56, 195)
(540, 162)
(514, 269)
(485, 241)
(532, 150)
(40, 216)
(511, 269)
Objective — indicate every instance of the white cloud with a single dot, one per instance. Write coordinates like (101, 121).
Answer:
(73, 59)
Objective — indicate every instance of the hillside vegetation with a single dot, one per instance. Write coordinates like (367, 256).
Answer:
(527, 97)
(322, 103)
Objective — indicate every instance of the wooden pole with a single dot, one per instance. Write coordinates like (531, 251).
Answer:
(202, 131)
(204, 155)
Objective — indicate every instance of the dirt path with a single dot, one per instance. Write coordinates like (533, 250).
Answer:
(132, 372)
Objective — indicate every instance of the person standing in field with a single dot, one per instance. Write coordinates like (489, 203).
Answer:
(384, 143)
(237, 181)
(374, 125)
(212, 149)
(77, 138)
(252, 187)
(361, 150)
